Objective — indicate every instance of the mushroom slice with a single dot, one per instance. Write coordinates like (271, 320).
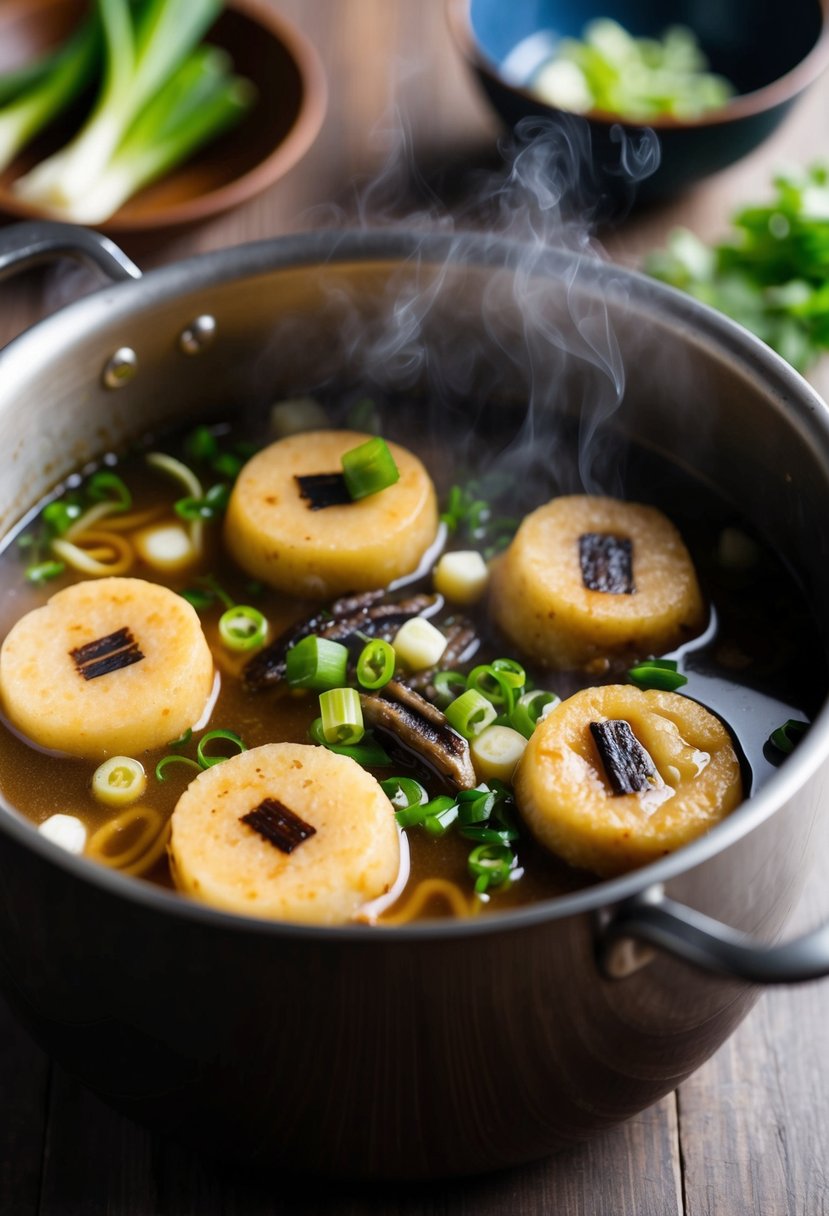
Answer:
(421, 729)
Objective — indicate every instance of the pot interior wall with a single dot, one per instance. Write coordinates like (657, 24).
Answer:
(547, 343)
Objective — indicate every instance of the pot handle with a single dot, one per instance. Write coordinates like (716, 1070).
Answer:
(652, 918)
(27, 244)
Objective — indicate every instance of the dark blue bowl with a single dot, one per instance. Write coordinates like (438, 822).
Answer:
(771, 50)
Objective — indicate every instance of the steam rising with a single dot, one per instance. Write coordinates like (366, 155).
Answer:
(461, 339)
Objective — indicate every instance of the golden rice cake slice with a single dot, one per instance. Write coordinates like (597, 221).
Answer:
(588, 580)
(275, 535)
(617, 777)
(108, 666)
(286, 831)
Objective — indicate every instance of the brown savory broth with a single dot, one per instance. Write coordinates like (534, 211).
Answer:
(747, 668)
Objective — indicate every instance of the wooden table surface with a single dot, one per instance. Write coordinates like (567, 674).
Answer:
(749, 1133)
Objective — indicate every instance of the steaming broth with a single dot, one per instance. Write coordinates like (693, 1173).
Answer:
(747, 668)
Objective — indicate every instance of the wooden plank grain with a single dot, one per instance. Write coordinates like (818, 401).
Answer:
(754, 1123)
(24, 1078)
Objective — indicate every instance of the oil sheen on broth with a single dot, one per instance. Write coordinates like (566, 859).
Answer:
(744, 662)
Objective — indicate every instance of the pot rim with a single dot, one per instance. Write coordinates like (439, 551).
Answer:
(257, 259)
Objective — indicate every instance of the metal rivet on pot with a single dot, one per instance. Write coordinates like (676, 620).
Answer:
(121, 368)
(198, 335)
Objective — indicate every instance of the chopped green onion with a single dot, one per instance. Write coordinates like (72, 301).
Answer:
(657, 673)
(342, 716)
(226, 736)
(60, 515)
(496, 686)
(404, 792)
(183, 738)
(510, 671)
(486, 835)
(226, 464)
(369, 753)
(317, 663)
(375, 666)
(447, 686)
(211, 506)
(165, 762)
(200, 598)
(104, 486)
(529, 707)
(491, 865)
(439, 822)
(470, 713)
(419, 814)
(42, 572)
(201, 444)
(787, 736)
(206, 593)
(119, 781)
(478, 809)
(369, 468)
(242, 628)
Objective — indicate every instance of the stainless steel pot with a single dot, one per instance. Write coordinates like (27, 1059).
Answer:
(433, 1048)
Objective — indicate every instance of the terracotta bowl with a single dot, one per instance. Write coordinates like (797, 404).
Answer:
(277, 132)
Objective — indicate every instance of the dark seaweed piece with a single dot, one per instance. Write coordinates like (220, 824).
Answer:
(628, 766)
(407, 719)
(462, 642)
(110, 653)
(278, 825)
(606, 563)
(323, 490)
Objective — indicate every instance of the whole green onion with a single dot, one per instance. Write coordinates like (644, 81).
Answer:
(242, 628)
(375, 666)
(657, 673)
(470, 713)
(317, 663)
(369, 468)
(342, 716)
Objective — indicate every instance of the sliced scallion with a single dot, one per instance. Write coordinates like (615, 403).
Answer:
(42, 572)
(375, 666)
(206, 759)
(242, 628)
(787, 736)
(105, 486)
(317, 663)
(529, 708)
(470, 713)
(497, 686)
(369, 468)
(404, 792)
(657, 673)
(491, 865)
(165, 762)
(447, 686)
(342, 716)
(119, 781)
(368, 753)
